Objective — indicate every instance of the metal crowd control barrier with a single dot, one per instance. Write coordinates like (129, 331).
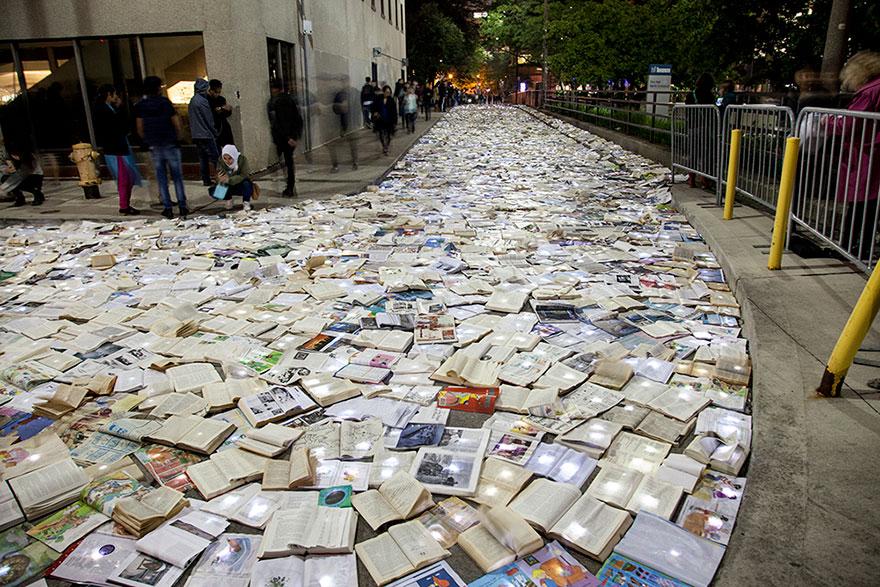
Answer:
(838, 180)
(765, 129)
(695, 145)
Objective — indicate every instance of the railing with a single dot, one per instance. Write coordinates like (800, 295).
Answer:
(695, 145)
(532, 98)
(838, 180)
(764, 131)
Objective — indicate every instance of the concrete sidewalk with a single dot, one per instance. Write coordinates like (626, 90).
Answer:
(807, 517)
(315, 180)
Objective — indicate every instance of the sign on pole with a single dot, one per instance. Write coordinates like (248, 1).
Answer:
(659, 82)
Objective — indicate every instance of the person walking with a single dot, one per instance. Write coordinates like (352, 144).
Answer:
(111, 132)
(233, 174)
(341, 109)
(221, 110)
(203, 130)
(367, 102)
(427, 101)
(385, 118)
(287, 126)
(858, 180)
(399, 93)
(25, 175)
(410, 109)
(159, 126)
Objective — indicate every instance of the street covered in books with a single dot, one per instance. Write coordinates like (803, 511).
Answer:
(512, 362)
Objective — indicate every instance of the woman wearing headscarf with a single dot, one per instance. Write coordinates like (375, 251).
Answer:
(233, 172)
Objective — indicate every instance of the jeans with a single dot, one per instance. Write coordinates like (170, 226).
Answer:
(168, 155)
(385, 137)
(366, 111)
(411, 121)
(208, 155)
(427, 108)
(245, 189)
(124, 181)
(286, 151)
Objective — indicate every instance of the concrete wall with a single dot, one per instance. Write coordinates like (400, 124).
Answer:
(235, 32)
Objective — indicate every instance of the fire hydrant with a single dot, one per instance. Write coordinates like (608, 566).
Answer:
(89, 178)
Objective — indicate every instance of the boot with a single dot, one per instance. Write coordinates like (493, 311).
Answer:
(39, 198)
(19, 200)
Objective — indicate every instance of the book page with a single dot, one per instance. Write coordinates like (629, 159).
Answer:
(48, 483)
(383, 558)
(485, 549)
(512, 530)
(331, 528)
(288, 527)
(419, 546)
(276, 475)
(192, 377)
(302, 468)
(172, 545)
(406, 495)
(208, 479)
(374, 508)
(590, 525)
(275, 435)
(206, 435)
(543, 502)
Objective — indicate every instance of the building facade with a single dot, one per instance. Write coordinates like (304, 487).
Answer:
(54, 54)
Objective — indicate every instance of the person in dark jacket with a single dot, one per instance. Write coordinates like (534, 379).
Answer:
(203, 130)
(385, 118)
(287, 126)
(159, 126)
(427, 101)
(342, 110)
(221, 110)
(367, 101)
(703, 93)
(26, 175)
(111, 134)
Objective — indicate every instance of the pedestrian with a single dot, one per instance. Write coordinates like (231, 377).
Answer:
(727, 98)
(221, 110)
(342, 110)
(410, 109)
(367, 102)
(441, 95)
(233, 175)
(703, 93)
(203, 130)
(858, 178)
(428, 100)
(399, 93)
(111, 133)
(159, 126)
(385, 118)
(22, 174)
(287, 126)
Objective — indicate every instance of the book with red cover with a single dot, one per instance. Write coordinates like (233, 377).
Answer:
(468, 399)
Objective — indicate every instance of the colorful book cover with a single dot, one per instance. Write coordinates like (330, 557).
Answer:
(338, 496)
(480, 400)
(620, 570)
(22, 424)
(551, 566)
(168, 465)
(420, 435)
(18, 568)
(65, 527)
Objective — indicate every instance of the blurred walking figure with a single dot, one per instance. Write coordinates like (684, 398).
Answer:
(385, 118)
(159, 126)
(703, 93)
(427, 101)
(221, 111)
(410, 109)
(22, 174)
(203, 130)
(399, 93)
(343, 111)
(111, 134)
(287, 126)
(367, 91)
(858, 181)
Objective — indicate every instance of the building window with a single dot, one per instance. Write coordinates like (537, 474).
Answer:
(373, 4)
(282, 64)
(402, 19)
(390, 16)
(396, 15)
(382, 4)
(114, 61)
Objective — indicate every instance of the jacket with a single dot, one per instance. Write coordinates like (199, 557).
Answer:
(221, 120)
(285, 119)
(201, 118)
(242, 173)
(111, 129)
(855, 184)
(385, 113)
(367, 94)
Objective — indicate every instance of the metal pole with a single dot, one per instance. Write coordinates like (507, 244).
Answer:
(544, 76)
(732, 167)
(783, 202)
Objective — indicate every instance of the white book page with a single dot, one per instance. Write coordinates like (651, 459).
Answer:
(543, 502)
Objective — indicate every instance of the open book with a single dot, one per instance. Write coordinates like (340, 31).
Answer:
(225, 471)
(275, 403)
(499, 482)
(331, 571)
(224, 395)
(298, 471)
(142, 514)
(499, 539)
(45, 490)
(269, 441)
(65, 399)
(201, 435)
(399, 498)
(400, 551)
(180, 541)
(309, 528)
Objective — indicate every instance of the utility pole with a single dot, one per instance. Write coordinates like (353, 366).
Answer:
(544, 76)
(835, 43)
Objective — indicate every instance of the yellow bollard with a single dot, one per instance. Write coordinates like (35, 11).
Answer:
(783, 202)
(851, 337)
(732, 168)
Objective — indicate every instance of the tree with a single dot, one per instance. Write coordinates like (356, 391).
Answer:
(436, 44)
